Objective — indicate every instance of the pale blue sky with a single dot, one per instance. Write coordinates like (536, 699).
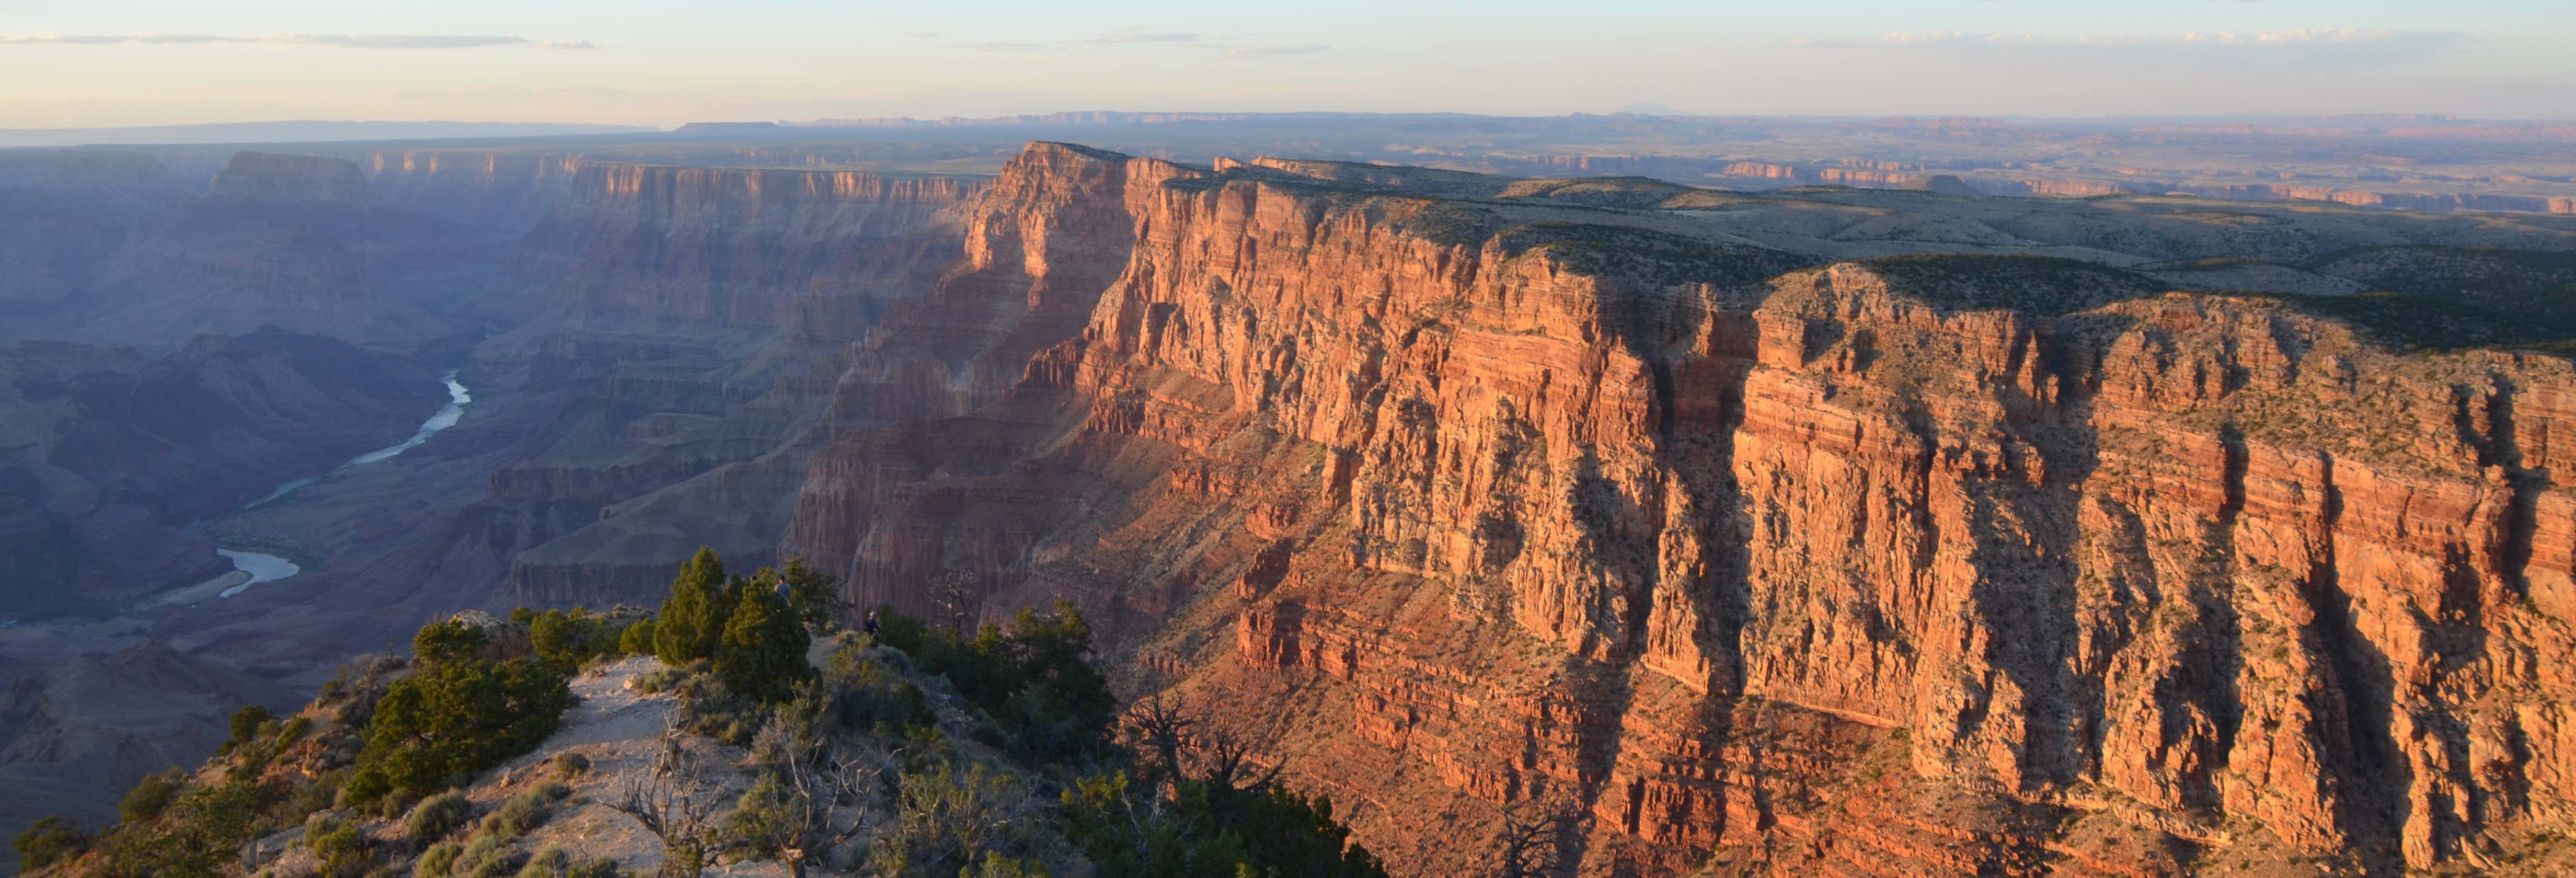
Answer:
(136, 62)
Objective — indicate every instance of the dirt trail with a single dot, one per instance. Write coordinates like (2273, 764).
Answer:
(619, 729)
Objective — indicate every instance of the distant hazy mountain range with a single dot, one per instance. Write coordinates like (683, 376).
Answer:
(300, 131)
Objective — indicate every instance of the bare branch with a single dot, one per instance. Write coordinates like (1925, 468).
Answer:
(1166, 731)
(823, 793)
(668, 799)
(1230, 763)
(1533, 837)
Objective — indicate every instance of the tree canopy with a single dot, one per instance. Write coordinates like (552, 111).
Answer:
(691, 624)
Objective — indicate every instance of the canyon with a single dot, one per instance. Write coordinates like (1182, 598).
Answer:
(1813, 531)
(1472, 498)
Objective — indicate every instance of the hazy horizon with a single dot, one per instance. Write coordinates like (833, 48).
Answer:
(660, 64)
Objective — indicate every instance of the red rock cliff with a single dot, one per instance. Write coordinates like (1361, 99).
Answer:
(1467, 504)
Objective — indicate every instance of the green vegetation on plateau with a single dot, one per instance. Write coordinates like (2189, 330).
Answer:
(2447, 298)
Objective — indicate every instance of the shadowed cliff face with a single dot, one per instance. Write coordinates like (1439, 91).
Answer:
(62, 214)
(501, 193)
(1940, 566)
(299, 242)
(695, 322)
(729, 247)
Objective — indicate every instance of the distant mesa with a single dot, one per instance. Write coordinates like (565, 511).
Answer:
(727, 127)
(291, 177)
(1647, 110)
(1083, 117)
(1941, 184)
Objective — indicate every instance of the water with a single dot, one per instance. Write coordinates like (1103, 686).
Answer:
(271, 568)
(282, 490)
(262, 567)
(457, 397)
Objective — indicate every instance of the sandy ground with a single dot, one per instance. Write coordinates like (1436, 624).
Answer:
(620, 731)
(206, 590)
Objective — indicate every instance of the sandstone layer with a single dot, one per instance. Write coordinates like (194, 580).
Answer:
(1468, 502)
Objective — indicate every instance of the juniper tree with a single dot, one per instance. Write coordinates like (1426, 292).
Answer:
(692, 620)
(762, 654)
(815, 595)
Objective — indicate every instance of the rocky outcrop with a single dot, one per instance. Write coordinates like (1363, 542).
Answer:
(263, 175)
(1935, 567)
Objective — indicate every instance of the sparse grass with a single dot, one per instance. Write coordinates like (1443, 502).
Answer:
(569, 765)
(485, 857)
(437, 816)
(659, 680)
(438, 861)
(548, 862)
(521, 813)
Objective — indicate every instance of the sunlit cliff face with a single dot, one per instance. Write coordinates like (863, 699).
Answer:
(1469, 505)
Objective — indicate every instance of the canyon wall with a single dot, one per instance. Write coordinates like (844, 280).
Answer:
(1472, 509)
(700, 316)
(729, 247)
(503, 192)
(299, 242)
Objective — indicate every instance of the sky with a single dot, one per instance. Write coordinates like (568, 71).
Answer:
(100, 63)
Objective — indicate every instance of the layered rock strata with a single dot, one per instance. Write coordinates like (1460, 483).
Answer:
(702, 315)
(1944, 567)
(299, 242)
(728, 247)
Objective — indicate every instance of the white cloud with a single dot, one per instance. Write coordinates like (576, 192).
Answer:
(343, 41)
(1141, 35)
(392, 41)
(102, 39)
(1276, 51)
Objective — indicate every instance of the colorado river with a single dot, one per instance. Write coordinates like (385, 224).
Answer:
(264, 567)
